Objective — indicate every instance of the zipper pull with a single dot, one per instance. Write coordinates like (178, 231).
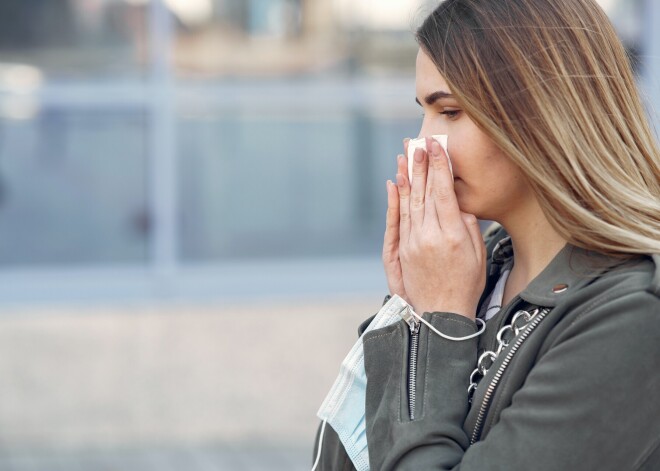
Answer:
(410, 319)
(414, 325)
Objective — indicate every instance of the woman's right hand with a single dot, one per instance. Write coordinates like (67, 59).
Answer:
(391, 261)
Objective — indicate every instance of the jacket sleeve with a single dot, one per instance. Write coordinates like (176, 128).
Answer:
(435, 439)
(588, 402)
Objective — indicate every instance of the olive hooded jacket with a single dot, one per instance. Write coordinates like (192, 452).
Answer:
(580, 391)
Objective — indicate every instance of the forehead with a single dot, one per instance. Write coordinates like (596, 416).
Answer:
(427, 77)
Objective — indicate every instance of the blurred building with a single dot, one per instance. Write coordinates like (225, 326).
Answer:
(158, 147)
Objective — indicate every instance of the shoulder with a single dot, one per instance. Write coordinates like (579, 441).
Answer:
(581, 279)
(622, 302)
(637, 277)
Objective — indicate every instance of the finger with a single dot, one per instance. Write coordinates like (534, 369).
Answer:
(472, 226)
(418, 190)
(391, 261)
(404, 170)
(402, 166)
(391, 239)
(444, 198)
(430, 213)
(403, 188)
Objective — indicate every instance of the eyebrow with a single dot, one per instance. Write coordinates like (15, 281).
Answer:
(435, 96)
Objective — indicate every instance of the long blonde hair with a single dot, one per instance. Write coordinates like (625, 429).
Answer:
(550, 83)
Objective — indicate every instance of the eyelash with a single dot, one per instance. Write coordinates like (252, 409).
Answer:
(450, 114)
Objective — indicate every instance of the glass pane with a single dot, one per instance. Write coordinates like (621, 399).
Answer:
(73, 187)
(257, 184)
(74, 37)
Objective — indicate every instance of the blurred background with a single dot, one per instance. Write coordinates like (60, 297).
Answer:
(192, 198)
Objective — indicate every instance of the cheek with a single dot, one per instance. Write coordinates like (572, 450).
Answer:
(477, 161)
(480, 178)
(463, 150)
(464, 159)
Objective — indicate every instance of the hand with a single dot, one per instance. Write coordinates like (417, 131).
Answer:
(391, 261)
(441, 253)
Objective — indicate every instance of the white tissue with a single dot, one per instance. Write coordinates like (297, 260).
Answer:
(420, 143)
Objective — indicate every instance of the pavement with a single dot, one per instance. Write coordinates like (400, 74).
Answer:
(176, 386)
(200, 458)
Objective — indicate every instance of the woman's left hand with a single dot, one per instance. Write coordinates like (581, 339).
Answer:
(441, 250)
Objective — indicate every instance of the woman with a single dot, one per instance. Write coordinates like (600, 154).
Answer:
(547, 137)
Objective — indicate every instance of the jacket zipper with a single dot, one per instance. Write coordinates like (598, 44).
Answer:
(412, 365)
(496, 379)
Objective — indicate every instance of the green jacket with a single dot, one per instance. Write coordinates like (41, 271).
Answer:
(579, 393)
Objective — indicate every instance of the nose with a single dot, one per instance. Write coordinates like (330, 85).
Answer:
(430, 128)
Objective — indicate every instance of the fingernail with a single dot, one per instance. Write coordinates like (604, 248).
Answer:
(399, 180)
(406, 140)
(435, 149)
(419, 157)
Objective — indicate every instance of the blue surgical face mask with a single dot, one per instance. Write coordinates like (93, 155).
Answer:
(344, 406)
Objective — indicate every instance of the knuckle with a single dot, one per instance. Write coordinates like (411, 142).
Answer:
(427, 242)
(391, 218)
(413, 252)
(439, 162)
(417, 201)
(453, 239)
(441, 194)
(390, 254)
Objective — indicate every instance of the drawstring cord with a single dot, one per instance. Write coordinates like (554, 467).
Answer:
(318, 455)
(445, 336)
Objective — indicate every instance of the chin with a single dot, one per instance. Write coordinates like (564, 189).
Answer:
(465, 203)
(472, 207)
(471, 203)
(467, 208)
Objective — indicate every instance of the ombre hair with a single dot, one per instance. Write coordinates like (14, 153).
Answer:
(550, 83)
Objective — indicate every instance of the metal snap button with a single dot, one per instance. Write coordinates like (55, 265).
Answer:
(560, 288)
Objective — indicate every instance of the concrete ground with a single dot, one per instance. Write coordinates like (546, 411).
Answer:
(193, 458)
(169, 387)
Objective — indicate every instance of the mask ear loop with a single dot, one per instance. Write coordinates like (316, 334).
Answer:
(318, 455)
(449, 337)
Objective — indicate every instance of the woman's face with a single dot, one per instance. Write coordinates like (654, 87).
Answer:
(486, 182)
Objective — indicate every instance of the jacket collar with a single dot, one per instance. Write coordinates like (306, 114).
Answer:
(571, 269)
